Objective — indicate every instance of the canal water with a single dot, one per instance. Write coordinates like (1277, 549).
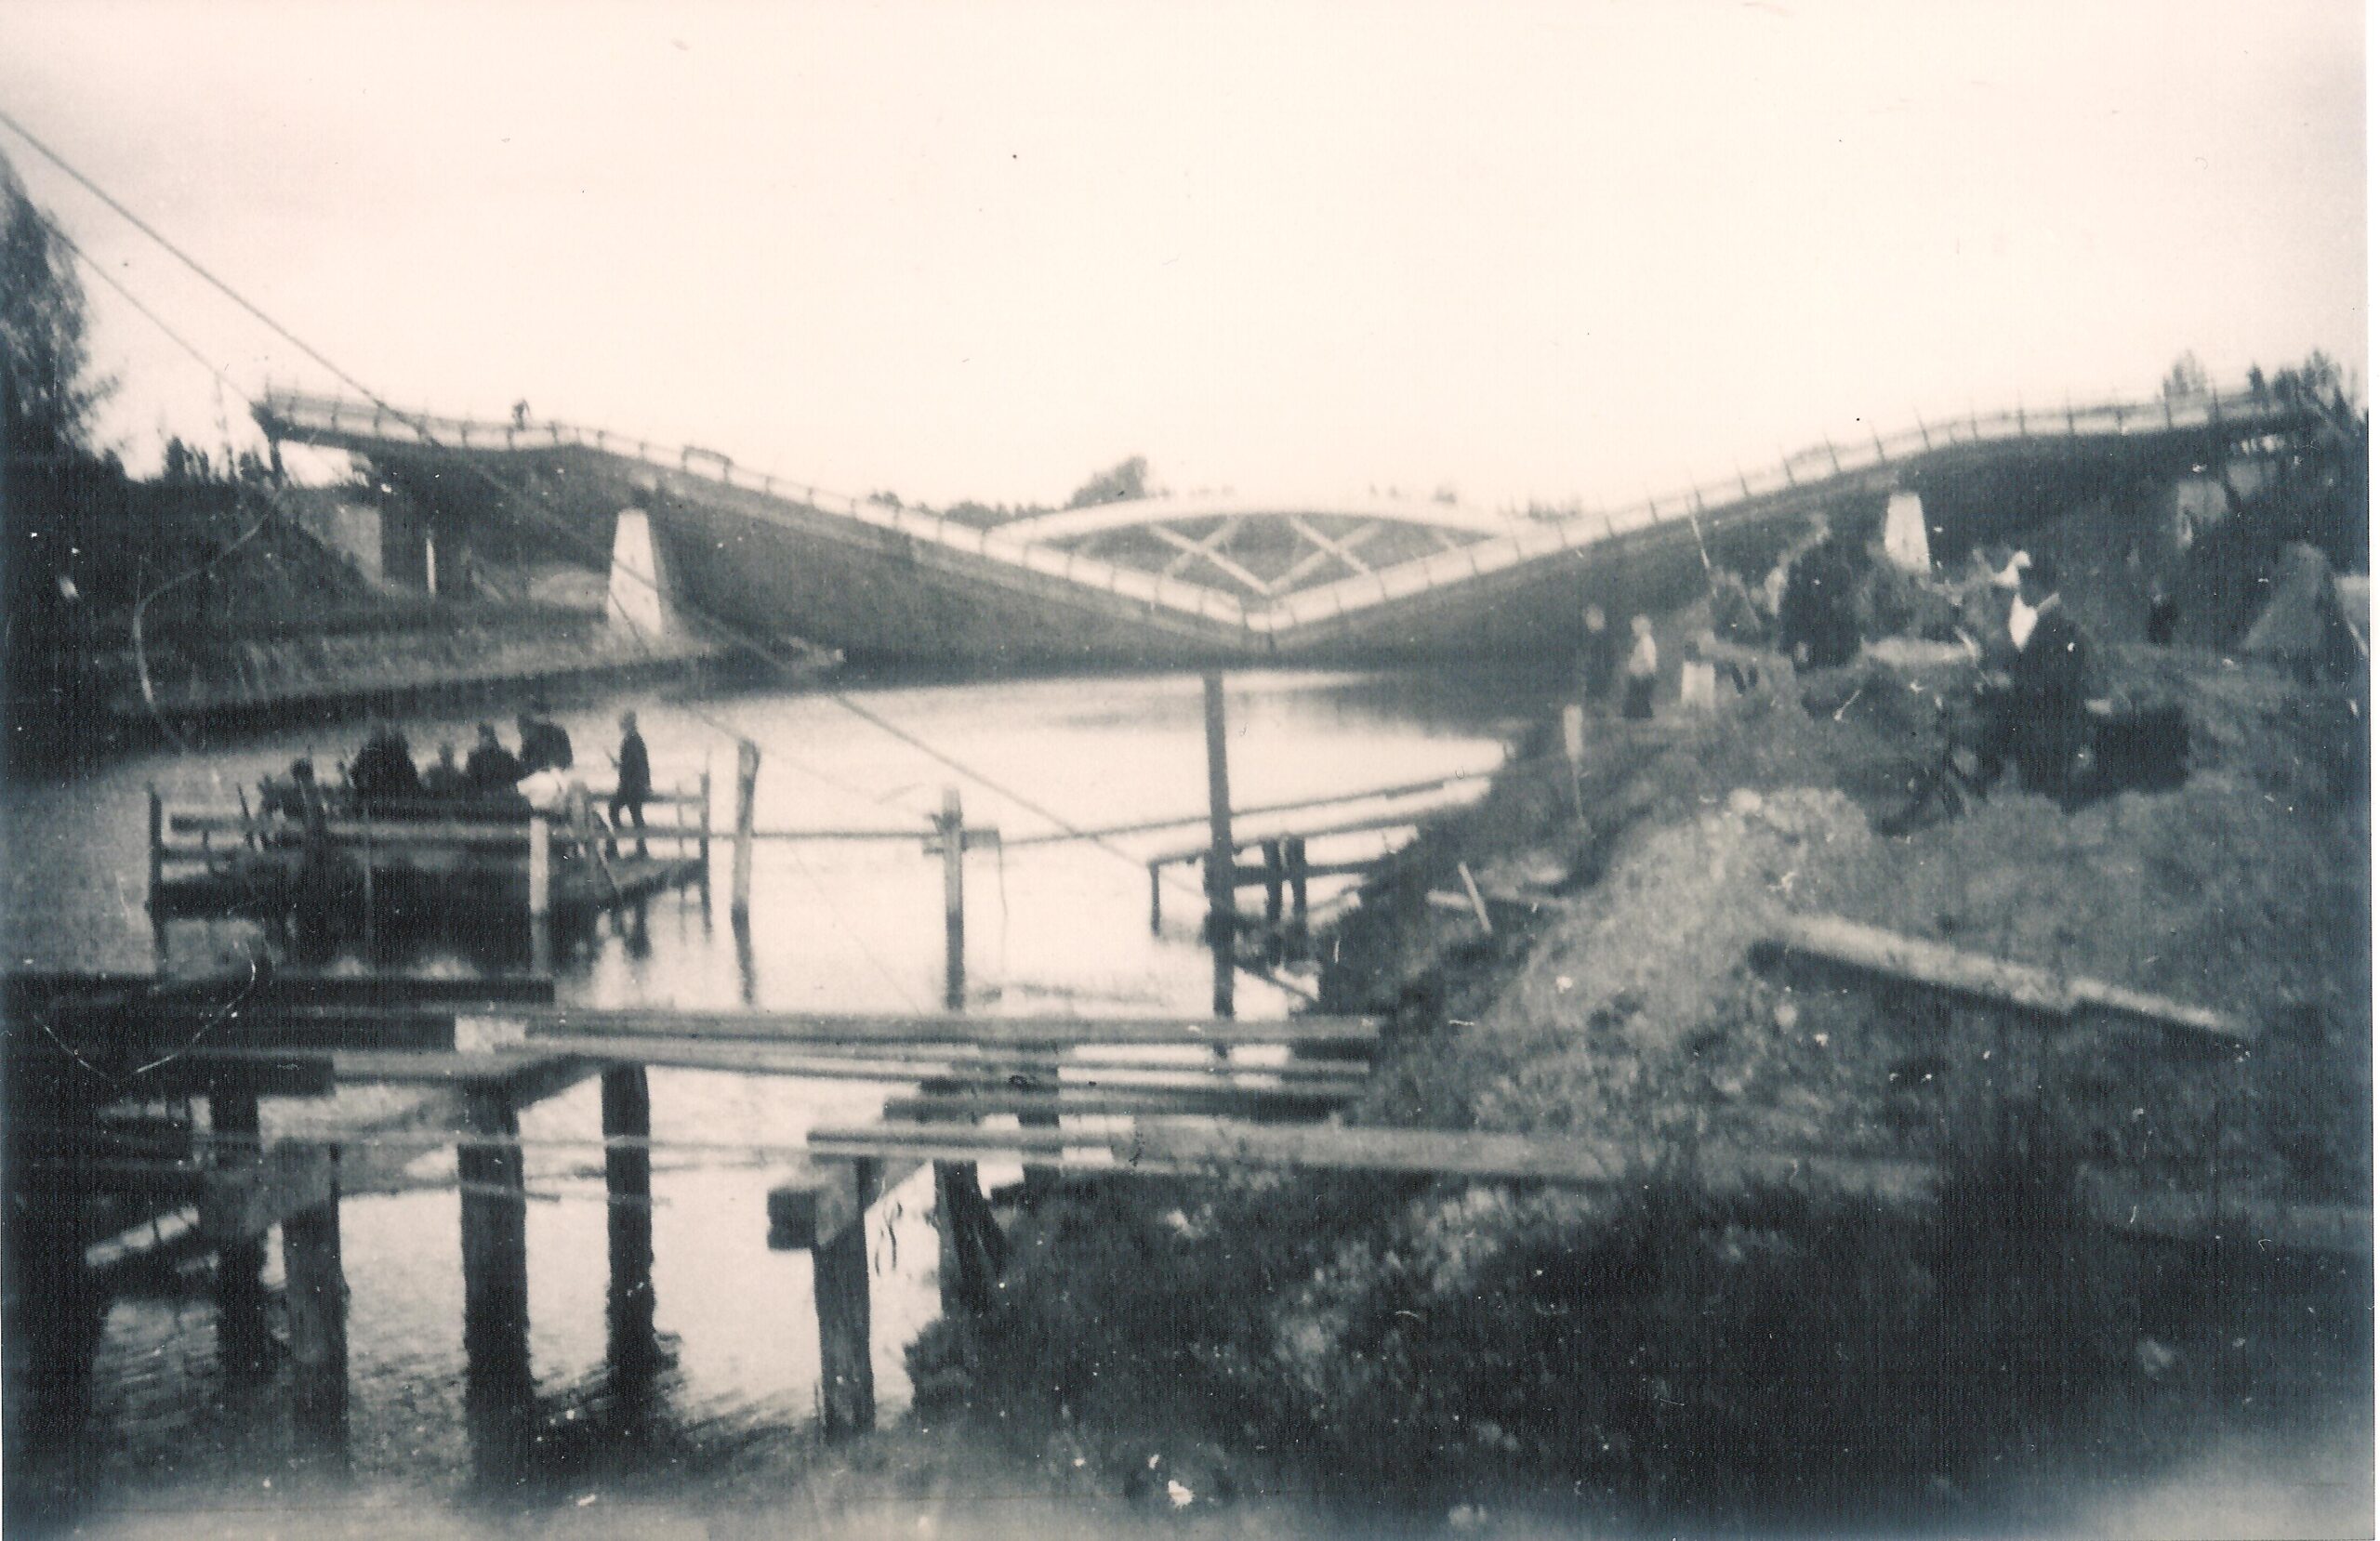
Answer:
(853, 927)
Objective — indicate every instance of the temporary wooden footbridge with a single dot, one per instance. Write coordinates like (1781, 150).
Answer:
(1091, 1097)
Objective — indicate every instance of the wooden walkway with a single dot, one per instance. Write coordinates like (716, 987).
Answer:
(1107, 1096)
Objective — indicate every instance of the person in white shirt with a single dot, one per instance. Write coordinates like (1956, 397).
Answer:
(1643, 668)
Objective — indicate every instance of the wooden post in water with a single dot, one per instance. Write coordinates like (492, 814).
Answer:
(1295, 851)
(1275, 878)
(702, 847)
(748, 781)
(241, 1334)
(1222, 906)
(541, 894)
(315, 1299)
(958, 1193)
(953, 824)
(496, 1389)
(839, 1284)
(156, 846)
(628, 1183)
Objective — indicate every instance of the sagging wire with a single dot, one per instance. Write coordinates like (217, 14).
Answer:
(248, 992)
(731, 634)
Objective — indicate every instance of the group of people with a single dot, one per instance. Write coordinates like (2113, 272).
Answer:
(2032, 714)
(382, 776)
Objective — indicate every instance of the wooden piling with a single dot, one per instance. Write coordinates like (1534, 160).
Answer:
(748, 781)
(701, 843)
(315, 1299)
(541, 894)
(1275, 879)
(243, 1338)
(628, 1182)
(953, 824)
(839, 1284)
(1222, 915)
(1294, 850)
(498, 1391)
(156, 845)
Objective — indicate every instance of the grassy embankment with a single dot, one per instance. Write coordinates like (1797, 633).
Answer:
(1788, 1353)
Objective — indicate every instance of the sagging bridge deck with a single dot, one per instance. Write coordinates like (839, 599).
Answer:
(1206, 580)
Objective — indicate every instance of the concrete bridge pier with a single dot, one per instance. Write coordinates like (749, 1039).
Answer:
(643, 588)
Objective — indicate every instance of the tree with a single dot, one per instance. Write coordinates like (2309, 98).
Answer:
(42, 323)
(2185, 380)
(1122, 483)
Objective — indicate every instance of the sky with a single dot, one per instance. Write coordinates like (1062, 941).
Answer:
(1579, 250)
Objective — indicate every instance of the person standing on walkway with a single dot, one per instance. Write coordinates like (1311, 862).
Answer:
(1644, 669)
(635, 783)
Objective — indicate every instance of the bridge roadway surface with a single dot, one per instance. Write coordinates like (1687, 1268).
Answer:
(1174, 580)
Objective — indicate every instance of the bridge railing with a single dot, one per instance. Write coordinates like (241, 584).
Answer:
(1804, 470)
(337, 415)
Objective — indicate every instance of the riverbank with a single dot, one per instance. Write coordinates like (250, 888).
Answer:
(198, 611)
(1794, 1355)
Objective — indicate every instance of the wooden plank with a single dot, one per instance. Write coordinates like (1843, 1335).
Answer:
(2036, 993)
(168, 1235)
(1178, 1144)
(166, 1029)
(1152, 826)
(1399, 819)
(203, 1073)
(819, 1200)
(286, 988)
(1115, 1104)
(796, 1027)
(914, 1061)
(387, 833)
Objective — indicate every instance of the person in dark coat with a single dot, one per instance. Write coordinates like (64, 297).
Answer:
(492, 767)
(382, 771)
(2047, 726)
(635, 780)
(544, 744)
(444, 778)
(1818, 616)
(1598, 658)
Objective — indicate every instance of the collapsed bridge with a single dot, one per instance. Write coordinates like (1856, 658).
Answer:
(1203, 580)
